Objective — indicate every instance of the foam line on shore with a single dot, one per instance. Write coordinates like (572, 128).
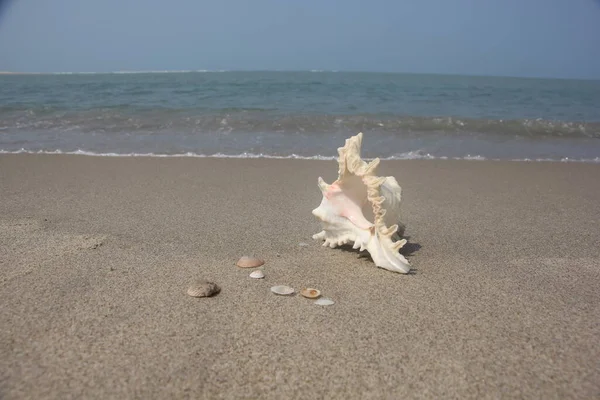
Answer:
(412, 155)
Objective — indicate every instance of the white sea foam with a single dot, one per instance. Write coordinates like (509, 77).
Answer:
(166, 71)
(473, 158)
(188, 154)
(183, 71)
(411, 155)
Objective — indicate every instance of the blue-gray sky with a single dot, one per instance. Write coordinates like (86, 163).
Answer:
(546, 38)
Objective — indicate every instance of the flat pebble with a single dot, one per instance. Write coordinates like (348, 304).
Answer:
(203, 289)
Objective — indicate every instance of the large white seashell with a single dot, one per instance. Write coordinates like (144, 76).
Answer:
(363, 209)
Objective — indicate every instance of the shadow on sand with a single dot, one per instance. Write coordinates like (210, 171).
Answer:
(407, 251)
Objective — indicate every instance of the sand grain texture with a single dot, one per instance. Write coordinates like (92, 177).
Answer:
(96, 253)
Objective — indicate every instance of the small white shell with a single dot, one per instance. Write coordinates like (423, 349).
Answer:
(282, 290)
(302, 244)
(310, 293)
(249, 262)
(324, 302)
(258, 274)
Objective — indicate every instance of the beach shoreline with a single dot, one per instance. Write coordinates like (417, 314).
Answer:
(97, 253)
(302, 114)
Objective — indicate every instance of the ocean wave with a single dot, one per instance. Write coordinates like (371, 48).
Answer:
(160, 71)
(411, 155)
(132, 119)
(182, 71)
(162, 155)
(167, 71)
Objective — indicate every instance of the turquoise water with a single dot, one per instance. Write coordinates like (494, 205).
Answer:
(306, 114)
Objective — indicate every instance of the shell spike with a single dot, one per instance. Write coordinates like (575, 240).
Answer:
(389, 232)
(320, 235)
(356, 140)
(399, 244)
(372, 166)
(323, 185)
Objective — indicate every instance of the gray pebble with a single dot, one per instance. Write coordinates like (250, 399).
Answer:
(203, 289)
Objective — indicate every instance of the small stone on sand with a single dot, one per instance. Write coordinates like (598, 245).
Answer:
(203, 289)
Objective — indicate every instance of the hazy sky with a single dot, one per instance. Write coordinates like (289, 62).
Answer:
(548, 38)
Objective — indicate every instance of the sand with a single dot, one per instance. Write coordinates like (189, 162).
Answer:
(96, 254)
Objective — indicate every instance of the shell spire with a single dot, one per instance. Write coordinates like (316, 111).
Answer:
(357, 193)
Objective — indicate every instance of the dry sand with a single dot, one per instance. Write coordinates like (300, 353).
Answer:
(96, 254)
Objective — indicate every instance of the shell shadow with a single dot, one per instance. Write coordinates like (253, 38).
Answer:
(407, 250)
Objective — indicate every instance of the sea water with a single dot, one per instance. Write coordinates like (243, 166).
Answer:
(300, 115)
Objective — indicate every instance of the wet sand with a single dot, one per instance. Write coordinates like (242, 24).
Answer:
(96, 254)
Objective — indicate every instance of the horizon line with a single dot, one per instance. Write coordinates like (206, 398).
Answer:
(315, 70)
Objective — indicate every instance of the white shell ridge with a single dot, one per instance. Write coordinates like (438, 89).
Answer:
(363, 209)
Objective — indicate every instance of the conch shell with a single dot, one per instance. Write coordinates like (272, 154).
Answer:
(355, 197)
